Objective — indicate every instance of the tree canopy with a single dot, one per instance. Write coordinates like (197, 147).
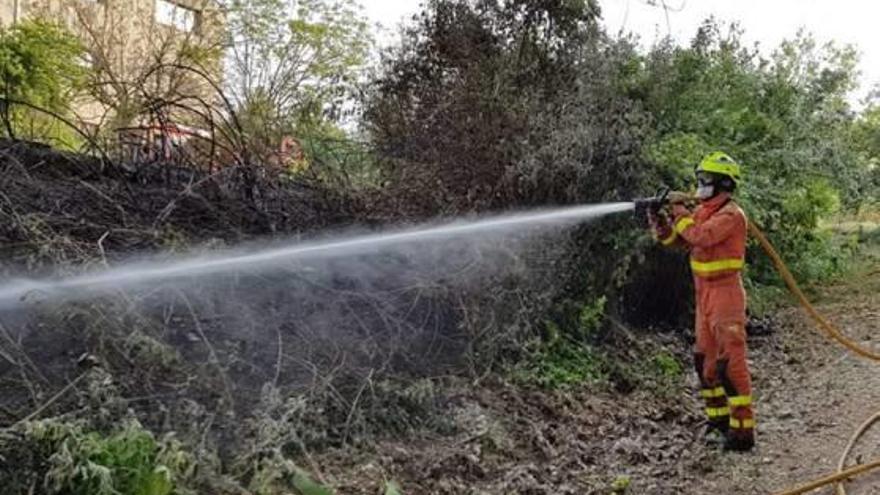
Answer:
(40, 62)
(41, 65)
(293, 63)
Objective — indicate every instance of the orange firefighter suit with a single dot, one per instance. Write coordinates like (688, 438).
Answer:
(715, 236)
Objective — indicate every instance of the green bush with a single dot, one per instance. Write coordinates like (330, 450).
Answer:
(666, 365)
(128, 462)
(561, 364)
(566, 356)
(41, 65)
(786, 119)
(275, 475)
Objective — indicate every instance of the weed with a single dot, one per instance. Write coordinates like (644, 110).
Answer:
(660, 372)
(128, 462)
(402, 407)
(764, 299)
(591, 316)
(620, 485)
(148, 351)
(666, 365)
(392, 488)
(172, 239)
(274, 474)
(561, 364)
(565, 357)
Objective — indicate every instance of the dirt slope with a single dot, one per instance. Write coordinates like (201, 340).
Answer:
(811, 396)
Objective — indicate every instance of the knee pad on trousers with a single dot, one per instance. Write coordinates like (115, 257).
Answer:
(726, 382)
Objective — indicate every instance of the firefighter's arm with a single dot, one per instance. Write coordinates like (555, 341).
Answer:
(714, 230)
(662, 230)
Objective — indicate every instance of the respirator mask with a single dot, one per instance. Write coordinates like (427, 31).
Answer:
(705, 187)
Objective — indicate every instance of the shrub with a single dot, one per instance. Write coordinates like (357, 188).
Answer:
(666, 365)
(40, 65)
(127, 462)
(566, 357)
(561, 364)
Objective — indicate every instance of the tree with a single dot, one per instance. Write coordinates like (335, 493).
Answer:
(786, 118)
(40, 65)
(866, 139)
(465, 108)
(291, 64)
(140, 66)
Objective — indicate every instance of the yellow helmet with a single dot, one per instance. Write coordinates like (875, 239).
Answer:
(722, 164)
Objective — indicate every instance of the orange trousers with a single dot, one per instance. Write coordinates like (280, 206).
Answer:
(721, 354)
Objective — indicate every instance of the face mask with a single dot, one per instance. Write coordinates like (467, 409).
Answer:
(705, 191)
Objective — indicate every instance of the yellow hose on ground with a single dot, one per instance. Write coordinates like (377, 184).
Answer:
(789, 280)
(835, 334)
(849, 473)
(851, 445)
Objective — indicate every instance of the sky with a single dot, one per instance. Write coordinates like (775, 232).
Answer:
(766, 22)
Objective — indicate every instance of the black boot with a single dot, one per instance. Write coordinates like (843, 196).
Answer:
(715, 433)
(739, 440)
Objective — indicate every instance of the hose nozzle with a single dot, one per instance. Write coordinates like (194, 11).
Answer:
(652, 204)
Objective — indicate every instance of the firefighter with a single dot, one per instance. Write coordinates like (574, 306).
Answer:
(714, 234)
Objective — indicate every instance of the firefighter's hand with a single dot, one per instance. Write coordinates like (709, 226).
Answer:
(679, 210)
(659, 219)
(678, 198)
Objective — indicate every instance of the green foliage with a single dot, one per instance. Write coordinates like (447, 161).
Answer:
(128, 462)
(292, 64)
(672, 152)
(666, 365)
(804, 207)
(478, 109)
(392, 488)
(40, 64)
(306, 486)
(657, 372)
(561, 364)
(620, 484)
(274, 474)
(591, 317)
(866, 140)
(763, 298)
(786, 119)
(493, 104)
(337, 158)
(816, 256)
(566, 358)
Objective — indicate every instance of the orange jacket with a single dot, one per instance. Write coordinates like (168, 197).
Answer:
(715, 235)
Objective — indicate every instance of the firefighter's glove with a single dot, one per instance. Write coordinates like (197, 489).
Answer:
(679, 210)
(679, 198)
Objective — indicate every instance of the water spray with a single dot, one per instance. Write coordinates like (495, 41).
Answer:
(16, 292)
